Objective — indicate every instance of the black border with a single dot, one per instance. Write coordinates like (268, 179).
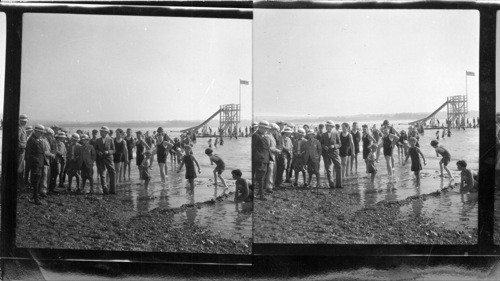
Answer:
(487, 150)
(273, 253)
(14, 13)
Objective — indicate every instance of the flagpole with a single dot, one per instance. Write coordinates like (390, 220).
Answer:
(466, 94)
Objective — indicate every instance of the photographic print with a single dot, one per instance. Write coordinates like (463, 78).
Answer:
(137, 134)
(367, 126)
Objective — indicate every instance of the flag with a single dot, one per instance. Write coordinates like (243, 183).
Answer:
(244, 82)
(469, 73)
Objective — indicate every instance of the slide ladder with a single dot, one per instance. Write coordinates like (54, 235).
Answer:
(430, 116)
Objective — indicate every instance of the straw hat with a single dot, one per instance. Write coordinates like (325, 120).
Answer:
(61, 135)
(75, 136)
(40, 128)
(330, 123)
(23, 117)
(287, 130)
(255, 124)
(104, 129)
(301, 131)
(274, 126)
(85, 137)
(264, 124)
(311, 132)
(29, 128)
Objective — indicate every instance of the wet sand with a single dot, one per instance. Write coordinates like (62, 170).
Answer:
(335, 216)
(97, 222)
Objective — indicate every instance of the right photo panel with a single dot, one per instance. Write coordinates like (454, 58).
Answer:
(366, 126)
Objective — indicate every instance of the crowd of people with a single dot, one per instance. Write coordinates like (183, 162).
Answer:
(51, 157)
(279, 148)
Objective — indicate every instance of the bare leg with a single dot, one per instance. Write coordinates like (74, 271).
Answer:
(388, 162)
(162, 171)
(343, 160)
(223, 181)
(215, 177)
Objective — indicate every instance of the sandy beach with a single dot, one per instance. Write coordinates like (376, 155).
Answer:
(336, 216)
(97, 222)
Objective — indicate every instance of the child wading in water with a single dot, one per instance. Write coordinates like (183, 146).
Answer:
(370, 161)
(145, 168)
(414, 153)
(440, 150)
(468, 180)
(243, 192)
(189, 160)
(220, 166)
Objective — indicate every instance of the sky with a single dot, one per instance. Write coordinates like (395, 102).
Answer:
(121, 68)
(497, 73)
(312, 63)
(3, 42)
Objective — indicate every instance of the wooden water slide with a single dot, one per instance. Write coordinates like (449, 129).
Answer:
(430, 116)
(195, 128)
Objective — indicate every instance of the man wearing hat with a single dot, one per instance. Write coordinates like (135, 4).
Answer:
(48, 158)
(105, 148)
(274, 147)
(280, 156)
(330, 142)
(60, 160)
(287, 154)
(53, 170)
(21, 147)
(255, 127)
(29, 131)
(86, 162)
(312, 155)
(35, 160)
(260, 155)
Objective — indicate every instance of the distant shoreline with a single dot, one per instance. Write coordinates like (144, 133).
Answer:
(360, 117)
(134, 124)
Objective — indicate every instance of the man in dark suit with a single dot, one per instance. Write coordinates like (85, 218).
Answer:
(23, 120)
(330, 142)
(260, 156)
(86, 163)
(35, 160)
(105, 148)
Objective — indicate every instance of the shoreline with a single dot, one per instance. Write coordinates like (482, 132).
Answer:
(103, 222)
(334, 216)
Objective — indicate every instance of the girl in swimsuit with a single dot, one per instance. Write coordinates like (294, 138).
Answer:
(356, 138)
(346, 149)
(121, 155)
(414, 152)
(388, 143)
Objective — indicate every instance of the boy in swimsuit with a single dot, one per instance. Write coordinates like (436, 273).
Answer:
(144, 168)
(243, 193)
(370, 162)
(443, 163)
(220, 166)
(468, 180)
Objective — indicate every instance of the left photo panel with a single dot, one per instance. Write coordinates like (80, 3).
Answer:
(136, 134)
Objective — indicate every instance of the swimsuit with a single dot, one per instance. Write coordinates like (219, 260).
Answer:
(415, 159)
(387, 146)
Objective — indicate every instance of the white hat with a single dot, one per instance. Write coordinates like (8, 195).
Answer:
(23, 117)
(330, 123)
(75, 136)
(301, 131)
(311, 132)
(255, 124)
(105, 129)
(287, 130)
(275, 126)
(40, 128)
(264, 124)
